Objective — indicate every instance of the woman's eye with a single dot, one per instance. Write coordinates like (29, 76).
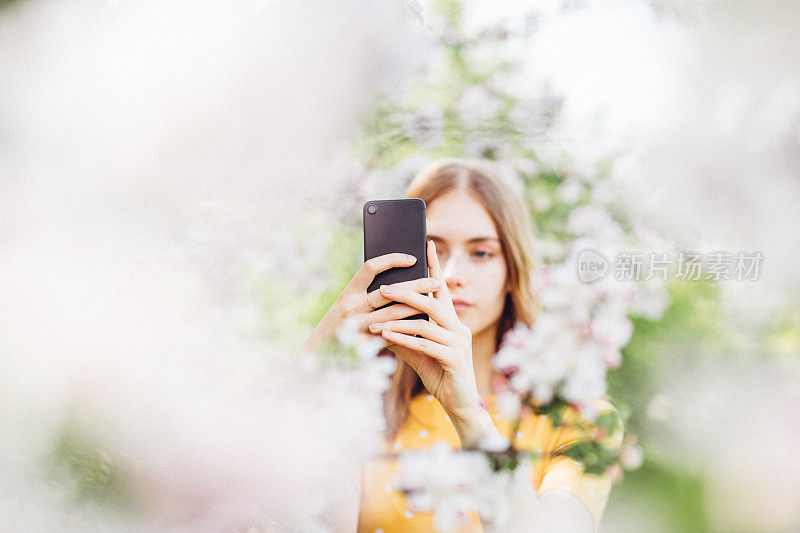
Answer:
(483, 254)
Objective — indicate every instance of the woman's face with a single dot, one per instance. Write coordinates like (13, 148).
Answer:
(471, 258)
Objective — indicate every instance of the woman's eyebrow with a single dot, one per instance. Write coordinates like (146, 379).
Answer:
(469, 241)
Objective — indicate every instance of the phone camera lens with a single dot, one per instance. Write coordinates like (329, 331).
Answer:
(372, 210)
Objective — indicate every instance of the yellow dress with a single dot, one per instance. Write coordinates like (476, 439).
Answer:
(384, 510)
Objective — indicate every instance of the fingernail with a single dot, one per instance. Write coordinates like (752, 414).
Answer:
(435, 283)
(411, 259)
(376, 327)
(385, 289)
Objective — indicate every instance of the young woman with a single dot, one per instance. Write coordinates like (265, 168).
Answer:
(480, 265)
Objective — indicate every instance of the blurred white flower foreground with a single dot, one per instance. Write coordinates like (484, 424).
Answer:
(154, 155)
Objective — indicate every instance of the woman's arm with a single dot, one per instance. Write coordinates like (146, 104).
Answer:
(554, 511)
(322, 332)
(566, 488)
(473, 426)
(562, 511)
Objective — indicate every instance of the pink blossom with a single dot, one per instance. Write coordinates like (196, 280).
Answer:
(631, 456)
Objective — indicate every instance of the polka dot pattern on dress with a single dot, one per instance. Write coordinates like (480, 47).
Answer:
(407, 513)
(423, 433)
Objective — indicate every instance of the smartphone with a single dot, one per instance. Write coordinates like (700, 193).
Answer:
(396, 226)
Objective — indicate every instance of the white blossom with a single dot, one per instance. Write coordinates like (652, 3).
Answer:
(452, 483)
(508, 403)
(347, 333)
(612, 329)
(477, 108)
(493, 443)
(425, 126)
(570, 191)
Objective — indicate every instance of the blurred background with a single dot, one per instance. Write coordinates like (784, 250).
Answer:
(180, 203)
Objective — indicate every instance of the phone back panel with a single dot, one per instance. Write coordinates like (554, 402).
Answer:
(397, 226)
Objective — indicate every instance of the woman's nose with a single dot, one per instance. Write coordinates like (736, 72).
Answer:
(452, 269)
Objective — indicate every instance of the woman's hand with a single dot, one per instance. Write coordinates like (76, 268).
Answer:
(353, 302)
(441, 355)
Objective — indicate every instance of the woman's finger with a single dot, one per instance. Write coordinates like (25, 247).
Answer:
(430, 306)
(391, 312)
(436, 273)
(435, 350)
(372, 267)
(423, 328)
(422, 285)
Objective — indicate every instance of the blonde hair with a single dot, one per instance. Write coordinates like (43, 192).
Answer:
(510, 215)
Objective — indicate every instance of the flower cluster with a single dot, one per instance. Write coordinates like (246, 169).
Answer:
(583, 326)
(575, 339)
(454, 483)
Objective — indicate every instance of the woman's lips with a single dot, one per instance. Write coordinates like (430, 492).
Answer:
(460, 305)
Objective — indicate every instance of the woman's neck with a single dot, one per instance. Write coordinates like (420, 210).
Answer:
(483, 350)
